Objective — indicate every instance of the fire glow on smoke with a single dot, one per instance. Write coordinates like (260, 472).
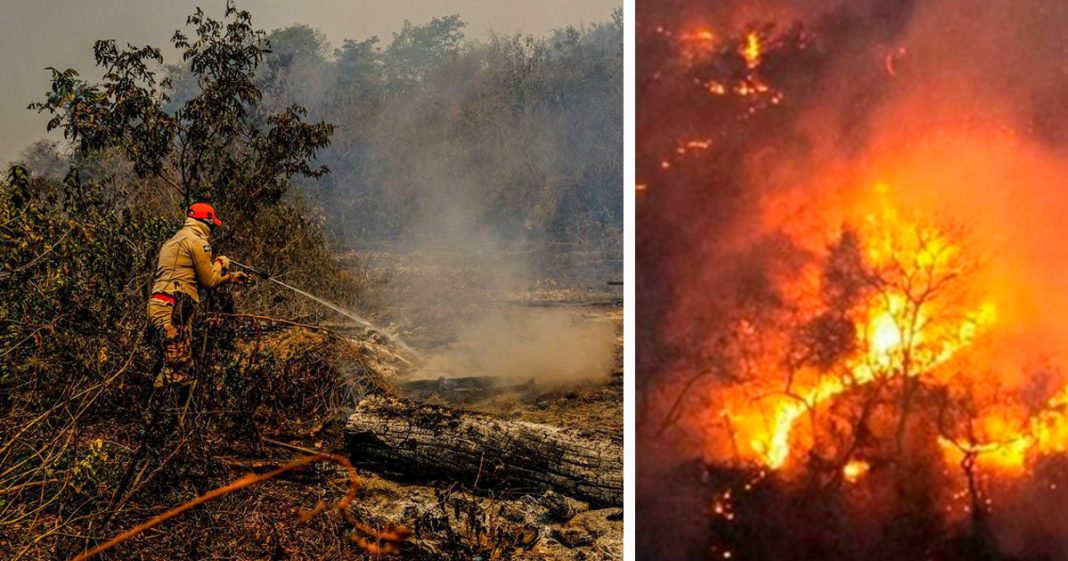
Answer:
(905, 328)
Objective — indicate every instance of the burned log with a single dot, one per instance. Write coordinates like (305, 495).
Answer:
(431, 443)
(467, 388)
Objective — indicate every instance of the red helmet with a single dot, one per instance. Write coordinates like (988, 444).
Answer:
(204, 212)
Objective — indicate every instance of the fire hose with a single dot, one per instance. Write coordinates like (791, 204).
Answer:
(388, 334)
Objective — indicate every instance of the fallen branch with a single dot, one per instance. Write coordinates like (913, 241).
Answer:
(278, 443)
(391, 537)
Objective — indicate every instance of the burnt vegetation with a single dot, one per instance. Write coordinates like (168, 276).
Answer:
(298, 147)
(889, 463)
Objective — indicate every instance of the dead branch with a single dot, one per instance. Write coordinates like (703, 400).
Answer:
(392, 536)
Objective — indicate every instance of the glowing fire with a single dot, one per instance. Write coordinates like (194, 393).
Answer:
(685, 146)
(750, 50)
(697, 43)
(785, 411)
(895, 332)
(854, 470)
(695, 47)
(901, 332)
(1010, 444)
(702, 35)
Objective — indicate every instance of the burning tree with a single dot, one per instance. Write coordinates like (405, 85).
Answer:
(851, 361)
(886, 304)
(844, 385)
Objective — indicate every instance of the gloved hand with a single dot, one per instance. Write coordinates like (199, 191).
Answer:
(240, 278)
(170, 332)
(224, 262)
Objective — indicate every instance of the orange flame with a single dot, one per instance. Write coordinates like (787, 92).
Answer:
(751, 50)
(898, 334)
(1009, 444)
(895, 330)
(697, 43)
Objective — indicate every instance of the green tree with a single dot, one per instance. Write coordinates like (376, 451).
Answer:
(418, 50)
(358, 68)
(295, 68)
(214, 146)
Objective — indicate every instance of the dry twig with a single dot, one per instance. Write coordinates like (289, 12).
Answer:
(391, 536)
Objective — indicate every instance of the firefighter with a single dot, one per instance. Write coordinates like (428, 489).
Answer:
(185, 266)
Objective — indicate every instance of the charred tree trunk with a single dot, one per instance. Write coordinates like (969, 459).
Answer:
(432, 443)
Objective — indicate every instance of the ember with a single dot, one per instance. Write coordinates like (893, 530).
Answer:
(697, 44)
(854, 470)
(750, 51)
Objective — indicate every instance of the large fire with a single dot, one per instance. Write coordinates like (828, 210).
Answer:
(906, 327)
(850, 249)
(1012, 442)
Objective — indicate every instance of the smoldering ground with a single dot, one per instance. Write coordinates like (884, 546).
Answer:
(956, 108)
(554, 347)
(472, 288)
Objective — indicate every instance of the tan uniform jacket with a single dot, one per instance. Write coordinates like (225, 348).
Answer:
(185, 263)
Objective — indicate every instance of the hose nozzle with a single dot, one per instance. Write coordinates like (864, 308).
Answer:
(252, 270)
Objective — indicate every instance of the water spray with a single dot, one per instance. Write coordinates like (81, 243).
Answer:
(388, 334)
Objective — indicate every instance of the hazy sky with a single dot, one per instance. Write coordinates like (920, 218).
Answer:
(35, 34)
